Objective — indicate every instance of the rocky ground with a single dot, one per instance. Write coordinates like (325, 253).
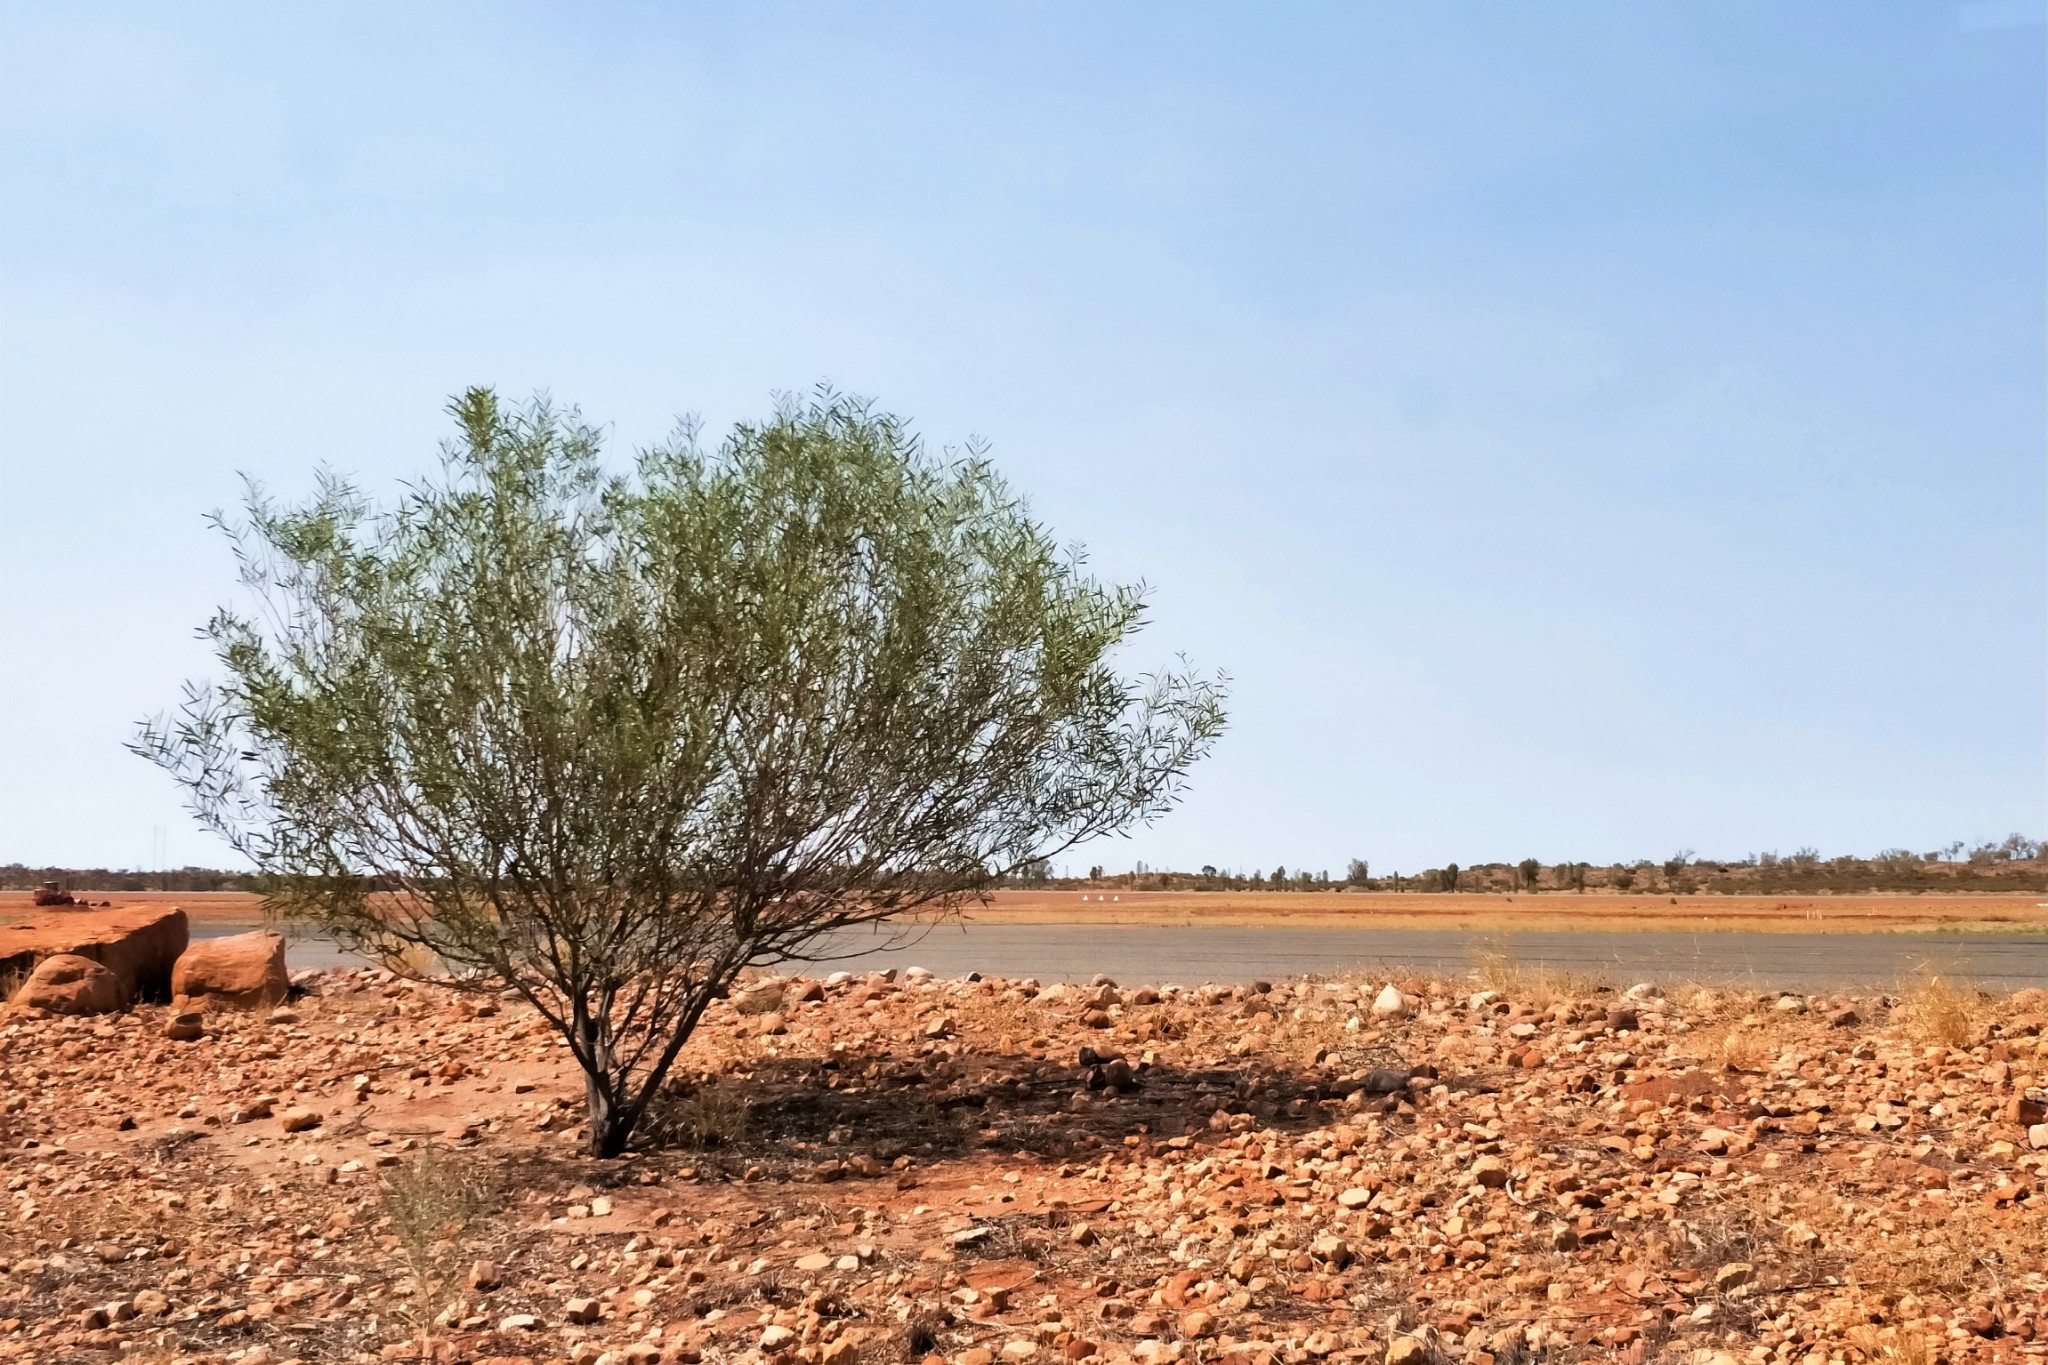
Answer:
(967, 1172)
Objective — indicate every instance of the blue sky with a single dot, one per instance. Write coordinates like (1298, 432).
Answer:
(1583, 431)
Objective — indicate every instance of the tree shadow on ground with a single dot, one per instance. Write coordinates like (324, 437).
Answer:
(861, 1114)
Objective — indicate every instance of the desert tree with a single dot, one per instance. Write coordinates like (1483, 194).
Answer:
(606, 738)
(1531, 871)
(1447, 879)
(1358, 872)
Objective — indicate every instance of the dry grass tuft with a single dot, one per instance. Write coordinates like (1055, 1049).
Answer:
(1892, 1346)
(1941, 1009)
(409, 960)
(1742, 1044)
(760, 1000)
(704, 1116)
(1497, 969)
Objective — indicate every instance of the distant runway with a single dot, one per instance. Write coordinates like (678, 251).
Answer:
(1132, 954)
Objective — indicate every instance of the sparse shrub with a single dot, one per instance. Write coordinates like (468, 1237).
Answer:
(433, 1205)
(618, 734)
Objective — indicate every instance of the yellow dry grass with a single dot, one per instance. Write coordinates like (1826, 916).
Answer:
(1497, 969)
(1941, 1009)
(1892, 1346)
(1744, 1044)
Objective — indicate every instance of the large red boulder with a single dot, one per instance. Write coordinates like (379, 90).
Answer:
(69, 984)
(139, 944)
(245, 971)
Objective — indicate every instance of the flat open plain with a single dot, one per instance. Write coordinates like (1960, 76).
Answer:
(1805, 943)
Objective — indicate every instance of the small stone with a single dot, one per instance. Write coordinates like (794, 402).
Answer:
(1386, 1081)
(1734, 1275)
(1355, 1198)
(1390, 1004)
(1406, 1351)
(483, 1275)
(1019, 1349)
(298, 1120)
(583, 1311)
(600, 1207)
(2026, 1110)
(2037, 1136)
(188, 1026)
(1490, 1171)
(519, 1322)
(258, 1108)
(815, 1262)
(1197, 1324)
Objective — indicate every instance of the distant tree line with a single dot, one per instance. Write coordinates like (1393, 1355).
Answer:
(19, 877)
(2015, 863)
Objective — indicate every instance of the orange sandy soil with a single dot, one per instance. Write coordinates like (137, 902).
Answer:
(1333, 910)
(870, 1171)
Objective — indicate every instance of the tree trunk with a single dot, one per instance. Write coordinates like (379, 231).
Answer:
(610, 1123)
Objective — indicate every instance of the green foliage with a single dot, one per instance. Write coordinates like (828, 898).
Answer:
(611, 738)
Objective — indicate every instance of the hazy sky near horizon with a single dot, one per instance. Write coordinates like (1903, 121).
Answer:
(1582, 431)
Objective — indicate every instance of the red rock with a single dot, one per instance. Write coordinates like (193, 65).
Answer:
(2026, 1110)
(245, 971)
(68, 984)
(186, 1027)
(298, 1120)
(137, 943)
